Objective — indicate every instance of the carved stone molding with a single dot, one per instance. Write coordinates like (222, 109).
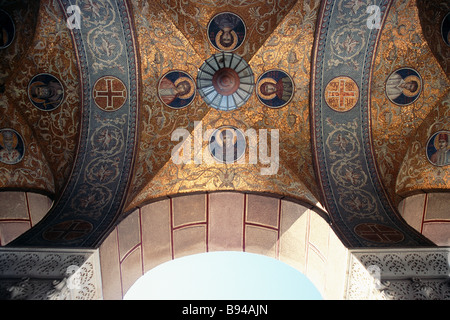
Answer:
(42, 274)
(399, 274)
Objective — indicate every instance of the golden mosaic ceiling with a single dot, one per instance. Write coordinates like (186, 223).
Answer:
(172, 35)
(394, 127)
(287, 47)
(42, 45)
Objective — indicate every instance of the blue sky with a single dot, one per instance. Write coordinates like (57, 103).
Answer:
(223, 276)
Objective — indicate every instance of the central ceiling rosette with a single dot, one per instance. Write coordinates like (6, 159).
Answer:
(225, 81)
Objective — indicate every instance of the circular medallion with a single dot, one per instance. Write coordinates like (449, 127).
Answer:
(107, 140)
(45, 92)
(12, 147)
(445, 29)
(404, 86)
(109, 93)
(226, 31)
(378, 233)
(7, 29)
(68, 230)
(341, 94)
(438, 148)
(176, 89)
(102, 171)
(225, 81)
(227, 144)
(275, 88)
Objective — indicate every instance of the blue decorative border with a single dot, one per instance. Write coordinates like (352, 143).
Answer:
(343, 222)
(63, 210)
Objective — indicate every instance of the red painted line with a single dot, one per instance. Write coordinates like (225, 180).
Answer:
(403, 206)
(262, 226)
(171, 228)
(141, 241)
(14, 220)
(436, 221)
(189, 225)
(119, 263)
(277, 253)
(316, 250)
(28, 209)
(207, 221)
(425, 202)
(308, 221)
(129, 252)
(243, 224)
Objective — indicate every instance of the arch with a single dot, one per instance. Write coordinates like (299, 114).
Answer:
(223, 221)
(19, 212)
(223, 275)
(427, 212)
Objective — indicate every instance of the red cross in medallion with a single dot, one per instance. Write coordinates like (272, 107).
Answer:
(341, 94)
(109, 93)
(68, 230)
(378, 233)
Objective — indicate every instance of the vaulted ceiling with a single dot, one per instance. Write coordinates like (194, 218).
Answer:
(356, 163)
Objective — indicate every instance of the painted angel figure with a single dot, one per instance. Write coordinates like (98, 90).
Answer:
(226, 31)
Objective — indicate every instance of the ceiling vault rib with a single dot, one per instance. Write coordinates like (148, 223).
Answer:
(360, 209)
(91, 203)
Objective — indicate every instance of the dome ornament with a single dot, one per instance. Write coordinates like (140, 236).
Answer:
(225, 81)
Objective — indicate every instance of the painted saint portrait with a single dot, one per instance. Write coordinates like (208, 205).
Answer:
(445, 29)
(438, 149)
(12, 147)
(7, 29)
(226, 31)
(45, 92)
(176, 89)
(275, 88)
(227, 144)
(404, 86)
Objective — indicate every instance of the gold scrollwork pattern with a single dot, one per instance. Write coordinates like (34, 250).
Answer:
(51, 138)
(103, 41)
(261, 18)
(416, 172)
(402, 44)
(163, 47)
(347, 172)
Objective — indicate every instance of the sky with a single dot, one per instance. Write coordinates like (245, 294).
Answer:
(223, 276)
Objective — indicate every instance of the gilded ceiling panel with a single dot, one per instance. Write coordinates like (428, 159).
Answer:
(22, 161)
(162, 48)
(261, 17)
(209, 175)
(186, 178)
(422, 170)
(288, 49)
(403, 56)
(26, 12)
(49, 68)
(39, 136)
(435, 18)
